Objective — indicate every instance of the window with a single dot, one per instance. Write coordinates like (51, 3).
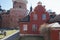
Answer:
(20, 7)
(25, 27)
(35, 17)
(44, 17)
(34, 27)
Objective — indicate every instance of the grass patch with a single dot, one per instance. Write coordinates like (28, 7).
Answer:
(1, 36)
(8, 32)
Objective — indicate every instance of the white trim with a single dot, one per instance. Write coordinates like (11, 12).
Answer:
(10, 35)
(56, 28)
(30, 35)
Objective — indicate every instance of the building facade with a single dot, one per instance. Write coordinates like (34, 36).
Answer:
(54, 31)
(4, 18)
(18, 11)
(37, 18)
(11, 18)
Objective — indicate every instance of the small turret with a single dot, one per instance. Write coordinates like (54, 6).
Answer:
(31, 9)
(0, 8)
(39, 3)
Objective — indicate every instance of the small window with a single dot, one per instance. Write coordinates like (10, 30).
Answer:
(15, 2)
(44, 17)
(20, 7)
(25, 27)
(35, 17)
(34, 27)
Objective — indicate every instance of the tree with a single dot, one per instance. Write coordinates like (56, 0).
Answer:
(45, 31)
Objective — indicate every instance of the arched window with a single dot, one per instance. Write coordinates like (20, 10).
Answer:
(43, 16)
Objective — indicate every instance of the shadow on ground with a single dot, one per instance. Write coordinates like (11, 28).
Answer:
(31, 38)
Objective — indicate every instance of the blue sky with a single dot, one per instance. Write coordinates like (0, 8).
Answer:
(54, 5)
(6, 4)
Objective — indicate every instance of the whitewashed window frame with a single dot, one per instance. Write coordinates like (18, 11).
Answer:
(25, 27)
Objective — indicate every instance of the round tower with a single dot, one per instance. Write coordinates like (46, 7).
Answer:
(18, 11)
(21, 1)
(19, 4)
(19, 8)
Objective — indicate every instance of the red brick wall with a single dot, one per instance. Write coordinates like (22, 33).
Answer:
(5, 20)
(29, 31)
(54, 34)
